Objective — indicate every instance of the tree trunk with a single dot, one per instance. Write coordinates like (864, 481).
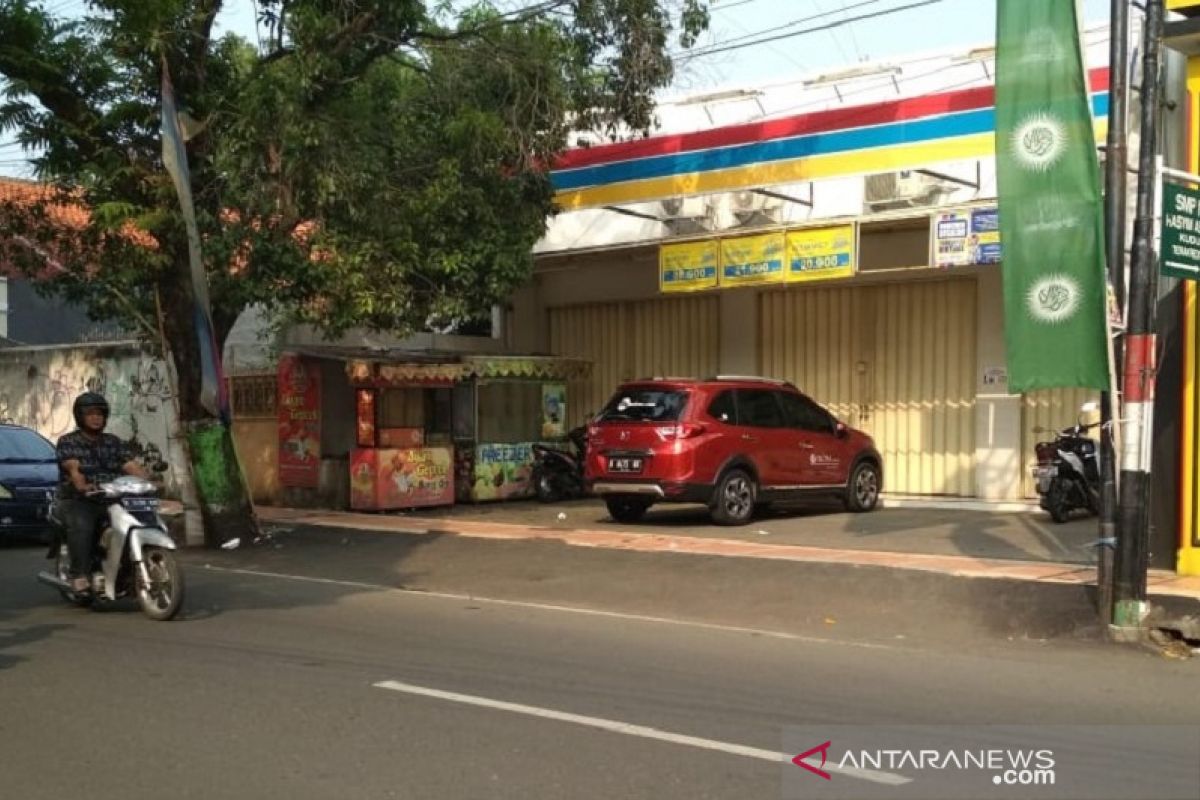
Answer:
(221, 487)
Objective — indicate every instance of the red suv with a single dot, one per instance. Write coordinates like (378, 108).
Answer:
(731, 443)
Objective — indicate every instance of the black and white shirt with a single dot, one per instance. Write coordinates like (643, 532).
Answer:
(100, 458)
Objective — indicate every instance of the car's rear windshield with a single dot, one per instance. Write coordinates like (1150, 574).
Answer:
(21, 445)
(645, 404)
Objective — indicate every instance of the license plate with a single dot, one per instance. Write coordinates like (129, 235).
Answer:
(625, 465)
(140, 503)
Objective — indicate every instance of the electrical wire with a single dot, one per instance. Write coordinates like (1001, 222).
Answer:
(723, 47)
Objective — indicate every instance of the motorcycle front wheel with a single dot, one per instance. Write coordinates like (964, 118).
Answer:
(163, 597)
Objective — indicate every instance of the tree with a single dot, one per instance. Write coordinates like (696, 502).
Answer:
(370, 162)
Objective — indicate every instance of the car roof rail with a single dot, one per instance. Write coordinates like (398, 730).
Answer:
(753, 379)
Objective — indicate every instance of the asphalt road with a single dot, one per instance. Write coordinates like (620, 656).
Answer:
(271, 687)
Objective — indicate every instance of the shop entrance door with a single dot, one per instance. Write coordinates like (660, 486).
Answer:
(895, 360)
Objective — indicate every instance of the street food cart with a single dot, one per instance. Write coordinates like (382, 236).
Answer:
(453, 427)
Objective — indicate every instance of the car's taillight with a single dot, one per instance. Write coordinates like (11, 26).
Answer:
(684, 430)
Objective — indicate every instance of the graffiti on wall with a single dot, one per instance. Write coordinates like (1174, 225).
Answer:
(38, 387)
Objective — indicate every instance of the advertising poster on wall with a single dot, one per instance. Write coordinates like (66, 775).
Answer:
(753, 260)
(985, 236)
(503, 471)
(554, 410)
(299, 422)
(687, 266)
(820, 253)
(950, 232)
(962, 238)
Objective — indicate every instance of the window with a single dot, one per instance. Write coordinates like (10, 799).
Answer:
(253, 395)
(723, 408)
(800, 412)
(758, 408)
(645, 404)
(22, 445)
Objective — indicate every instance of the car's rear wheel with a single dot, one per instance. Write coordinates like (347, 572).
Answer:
(862, 492)
(626, 509)
(733, 503)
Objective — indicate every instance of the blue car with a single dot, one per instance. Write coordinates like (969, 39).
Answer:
(28, 479)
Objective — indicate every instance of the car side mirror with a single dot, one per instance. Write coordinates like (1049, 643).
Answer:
(840, 430)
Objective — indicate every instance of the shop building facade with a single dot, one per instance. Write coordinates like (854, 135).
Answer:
(849, 246)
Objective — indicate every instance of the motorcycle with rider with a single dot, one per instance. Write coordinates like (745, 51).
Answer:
(110, 541)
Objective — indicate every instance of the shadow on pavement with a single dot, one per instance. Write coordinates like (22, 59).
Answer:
(18, 594)
(342, 557)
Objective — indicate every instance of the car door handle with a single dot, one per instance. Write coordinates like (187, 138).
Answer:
(748, 438)
(806, 445)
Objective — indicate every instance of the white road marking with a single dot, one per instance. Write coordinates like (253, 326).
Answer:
(628, 729)
(591, 612)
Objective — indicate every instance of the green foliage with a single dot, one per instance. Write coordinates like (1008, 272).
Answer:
(374, 162)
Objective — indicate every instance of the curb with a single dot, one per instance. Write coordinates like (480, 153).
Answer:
(1161, 584)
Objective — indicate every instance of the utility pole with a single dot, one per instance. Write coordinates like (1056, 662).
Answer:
(1115, 160)
(1133, 539)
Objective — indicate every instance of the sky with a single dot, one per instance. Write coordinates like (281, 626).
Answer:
(914, 28)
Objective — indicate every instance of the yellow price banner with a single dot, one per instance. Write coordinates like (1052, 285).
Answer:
(753, 260)
(687, 266)
(815, 254)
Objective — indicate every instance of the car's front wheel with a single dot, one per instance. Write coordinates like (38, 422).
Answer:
(862, 493)
(733, 503)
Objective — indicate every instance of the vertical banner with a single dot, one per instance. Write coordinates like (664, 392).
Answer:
(214, 393)
(299, 401)
(1051, 216)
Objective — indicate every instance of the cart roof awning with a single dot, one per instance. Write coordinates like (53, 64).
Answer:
(455, 369)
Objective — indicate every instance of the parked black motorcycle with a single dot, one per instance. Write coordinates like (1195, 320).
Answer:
(558, 474)
(1068, 473)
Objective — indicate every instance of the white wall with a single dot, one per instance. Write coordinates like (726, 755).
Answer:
(4, 307)
(38, 386)
(997, 413)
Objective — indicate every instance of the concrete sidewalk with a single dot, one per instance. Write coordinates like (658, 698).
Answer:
(950, 543)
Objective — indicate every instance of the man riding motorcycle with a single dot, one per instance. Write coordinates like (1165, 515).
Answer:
(88, 457)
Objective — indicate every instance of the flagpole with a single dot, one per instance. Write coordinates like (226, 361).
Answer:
(1133, 540)
(1116, 159)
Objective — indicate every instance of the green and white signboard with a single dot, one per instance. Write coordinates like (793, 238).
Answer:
(1180, 232)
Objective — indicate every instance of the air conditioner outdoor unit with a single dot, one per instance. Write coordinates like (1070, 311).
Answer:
(685, 207)
(903, 189)
(749, 206)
